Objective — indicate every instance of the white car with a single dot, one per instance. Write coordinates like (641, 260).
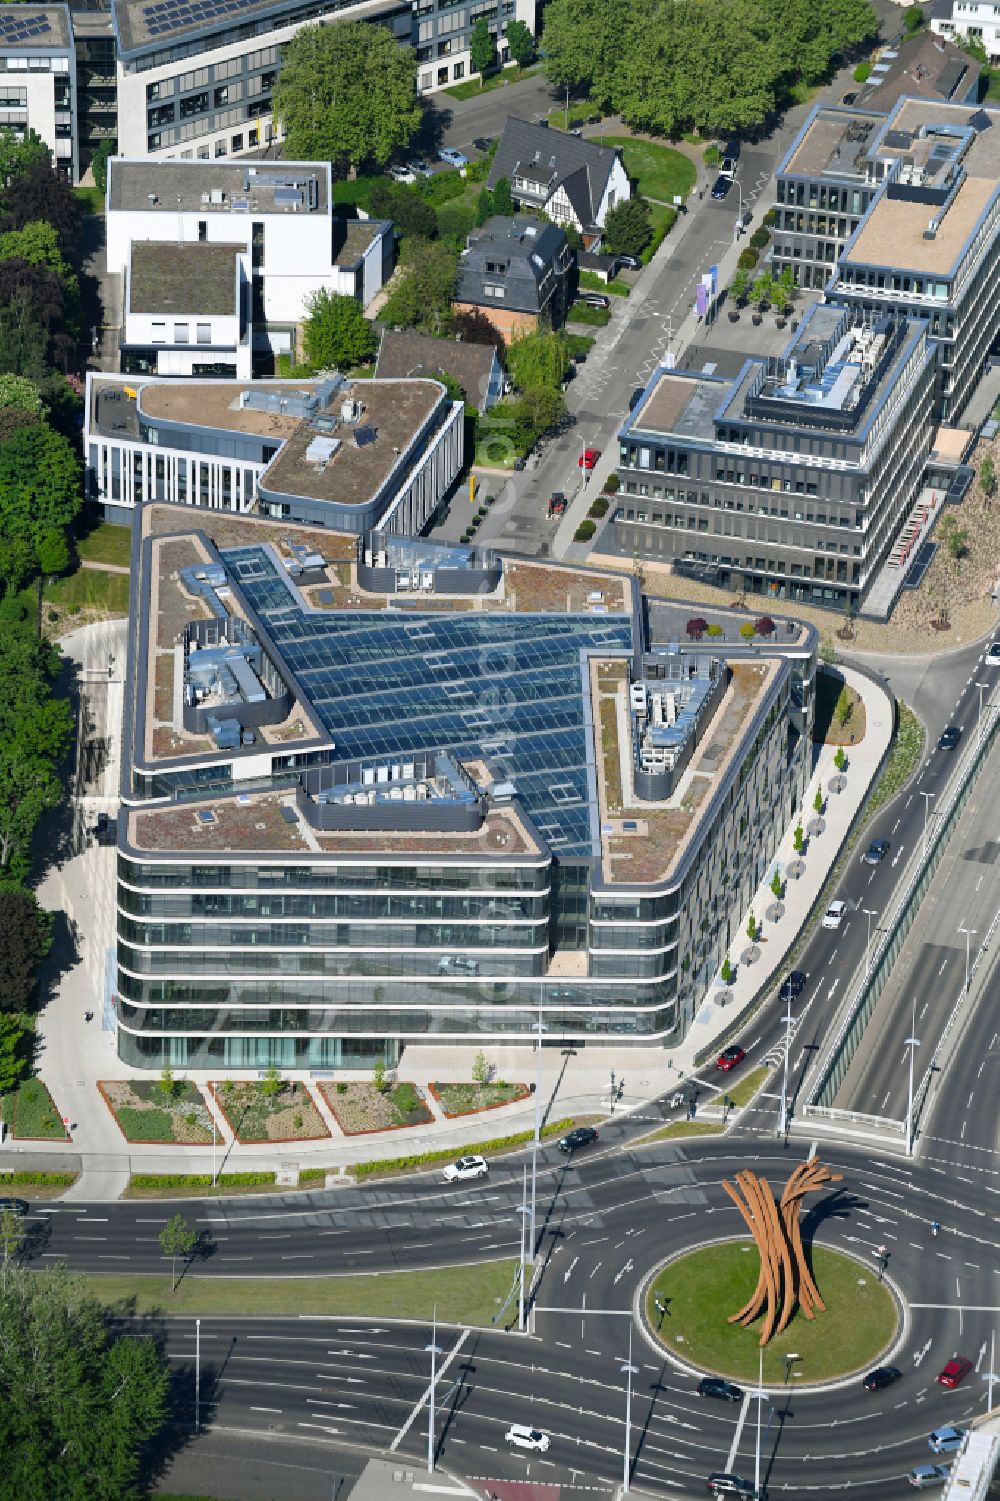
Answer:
(420, 167)
(401, 174)
(466, 1167)
(834, 914)
(523, 1437)
(992, 658)
(452, 157)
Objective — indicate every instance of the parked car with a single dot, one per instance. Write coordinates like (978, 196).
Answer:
(457, 964)
(557, 504)
(955, 1371)
(628, 263)
(834, 915)
(106, 829)
(924, 1475)
(588, 458)
(452, 157)
(523, 1437)
(850, 98)
(721, 186)
(636, 397)
(593, 299)
(730, 157)
(582, 1136)
(13, 1206)
(714, 1386)
(792, 985)
(946, 1440)
(880, 1378)
(484, 143)
(466, 1167)
(722, 1484)
(950, 737)
(876, 852)
(401, 174)
(422, 168)
(730, 1057)
(992, 657)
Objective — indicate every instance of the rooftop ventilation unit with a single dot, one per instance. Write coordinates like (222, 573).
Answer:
(321, 450)
(218, 197)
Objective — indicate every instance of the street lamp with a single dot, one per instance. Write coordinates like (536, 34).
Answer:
(926, 797)
(759, 1394)
(969, 933)
(982, 689)
(739, 221)
(882, 1255)
(536, 1143)
(197, 1375)
(434, 1350)
(990, 1376)
(912, 1042)
(524, 1212)
(868, 942)
(628, 1370)
(787, 1019)
(790, 1359)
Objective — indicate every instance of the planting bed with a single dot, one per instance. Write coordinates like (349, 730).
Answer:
(253, 1115)
(145, 1112)
(359, 1108)
(466, 1099)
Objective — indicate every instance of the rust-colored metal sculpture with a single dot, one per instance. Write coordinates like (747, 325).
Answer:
(784, 1277)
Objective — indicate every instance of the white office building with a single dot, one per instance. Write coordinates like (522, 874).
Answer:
(39, 78)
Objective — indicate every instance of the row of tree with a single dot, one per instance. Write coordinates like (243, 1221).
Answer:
(722, 65)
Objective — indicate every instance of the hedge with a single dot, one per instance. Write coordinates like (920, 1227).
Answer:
(363, 1170)
(36, 1180)
(600, 506)
(584, 531)
(199, 1180)
(759, 238)
(748, 259)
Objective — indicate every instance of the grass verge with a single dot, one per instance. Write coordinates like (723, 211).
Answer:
(472, 87)
(199, 1185)
(471, 1294)
(703, 1288)
(579, 312)
(30, 1113)
(390, 1166)
(106, 544)
(657, 171)
(90, 200)
(743, 1092)
(677, 1129)
(591, 282)
(88, 589)
(904, 758)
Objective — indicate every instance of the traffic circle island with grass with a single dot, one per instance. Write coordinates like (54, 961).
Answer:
(687, 1301)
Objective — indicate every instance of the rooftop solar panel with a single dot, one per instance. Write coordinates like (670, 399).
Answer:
(365, 435)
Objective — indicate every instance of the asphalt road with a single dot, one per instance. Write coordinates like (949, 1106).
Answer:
(607, 1221)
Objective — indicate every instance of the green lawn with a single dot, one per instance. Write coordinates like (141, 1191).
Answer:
(743, 1092)
(591, 282)
(88, 589)
(579, 114)
(472, 88)
(356, 191)
(581, 313)
(463, 1294)
(663, 217)
(91, 200)
(30, 1112)
(657, 171)
(107, 544)
(677, 1129)
(703, 1288)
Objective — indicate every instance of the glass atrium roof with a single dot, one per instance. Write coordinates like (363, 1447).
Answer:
(505, 687)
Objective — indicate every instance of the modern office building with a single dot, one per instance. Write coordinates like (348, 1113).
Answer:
(341, 453)
(792, 478)
(38, 61)
(191, 221)
(377, 790)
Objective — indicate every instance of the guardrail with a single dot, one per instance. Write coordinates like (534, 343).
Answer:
(858, 1013)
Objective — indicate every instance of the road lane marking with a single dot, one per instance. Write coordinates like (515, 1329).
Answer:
(739, 1430)
(422, 1400)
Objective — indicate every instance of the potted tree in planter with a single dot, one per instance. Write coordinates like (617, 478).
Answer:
(760, 296)
(738, 289)
(783, 294)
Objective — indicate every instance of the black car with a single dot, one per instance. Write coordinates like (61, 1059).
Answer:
(13, 1206)
(484, 143)
(721, 186)
(635, 398)
(723, 1484)
(950, 738)
(876, 852)
(881, 1377)
(629, 262)
(594, 299)
(582, 1136)
(792, 985)
(714, 1386)
(849, 99)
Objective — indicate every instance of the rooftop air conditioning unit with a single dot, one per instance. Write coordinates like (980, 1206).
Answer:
(218, 196)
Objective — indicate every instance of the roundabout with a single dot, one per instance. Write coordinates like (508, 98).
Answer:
(687, 1303)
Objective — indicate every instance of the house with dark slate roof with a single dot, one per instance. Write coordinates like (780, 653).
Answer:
(515, 272)
(404, 354)
(574, 181)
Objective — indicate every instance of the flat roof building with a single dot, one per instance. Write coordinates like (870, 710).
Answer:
(378, 790)
(38, 60)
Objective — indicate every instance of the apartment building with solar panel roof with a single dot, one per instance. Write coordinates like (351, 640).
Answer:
(38, 72)
(379, 791)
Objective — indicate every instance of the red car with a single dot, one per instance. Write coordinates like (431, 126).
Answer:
(955, 1371)
(588, 458)
(730, 1058)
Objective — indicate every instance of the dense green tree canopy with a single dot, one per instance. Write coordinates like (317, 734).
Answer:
(424, 287)
(18, 392)
(40, 483)
(411, 214)
(336, 332)
(520, 43)
(482, 48)
(78, 1401)
(538, 359)
(721, 65)
(35, 731)
(24, 939)
(628, 227)
(347, 94)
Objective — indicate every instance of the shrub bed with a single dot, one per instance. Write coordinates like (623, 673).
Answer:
(199, 1185)
(388, 1165)
(30, 1114)
(146, 1112)
(467, 1099)
(599, 507)
(37, 1180)
(361, 1108)
(253, 1114)
(585, 531)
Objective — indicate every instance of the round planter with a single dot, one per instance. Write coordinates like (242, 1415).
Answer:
(815, 826)
(837, 783)
(750, 955)
(775, 911)
(794, 869)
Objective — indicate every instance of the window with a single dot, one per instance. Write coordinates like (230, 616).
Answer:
(236, 144)
(459, 70)
(222, 95)
(182, 333)
(194, 104)
(220, 148)
(159, 333)
(442, 75)
(491, 289)
(253, 135)
(203, 333)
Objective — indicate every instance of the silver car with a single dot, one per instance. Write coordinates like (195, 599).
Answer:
(927, 1475)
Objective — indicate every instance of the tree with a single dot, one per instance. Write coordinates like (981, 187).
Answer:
(12, 1231)
(843, 708)
(739, 286)
(840, 759)
(764, 626)
(784, 288)
(520, 43)
(23, 944)
(480, 1068)
(726, 972)
(33, 301)
(16, 152)
(99, 162)
(336, 333)
(177, 1239)
(41, 485)
(346, 94)
(827, 652)
(988, 477)
(20, 394)
(776, 885)
(503, 203)
(166, 1086)
(955, 540)
(41, 191)
(696, 627)
(913, 19)
(818, 803)
(762, 293)
(411, 214)
(752, 928)
(425, 285)
(628, 227)
(82, 1396)
(52, 552)
(15, 1049)
(379, 1081)
(798, 839)
(271, 1084)
(482, 48)
(472, 325)
(24, 342)
(747, 631)
(583, 39)
(538, 359)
